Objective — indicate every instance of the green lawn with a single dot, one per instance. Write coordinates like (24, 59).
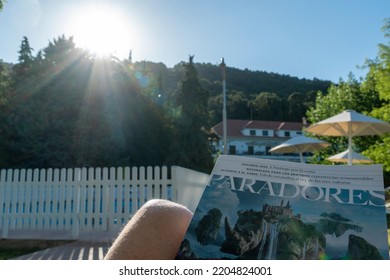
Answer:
(9, 253)
(12, 248)
(388, 237)
(388, 229)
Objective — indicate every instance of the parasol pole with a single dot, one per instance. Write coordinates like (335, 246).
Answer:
(301, 156)
(350, 143)
(300, 153)
(224, 118)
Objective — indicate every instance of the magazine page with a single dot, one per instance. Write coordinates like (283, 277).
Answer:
(254, 208)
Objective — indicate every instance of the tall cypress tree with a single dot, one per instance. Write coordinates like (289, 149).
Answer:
(191, 148)
(25, 59)
(25, 52)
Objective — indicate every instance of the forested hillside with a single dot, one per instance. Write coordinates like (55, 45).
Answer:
(64, 107)
(251, 94)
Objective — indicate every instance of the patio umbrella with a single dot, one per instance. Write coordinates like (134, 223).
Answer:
(300, 144)
(349, 124)
(343, 157)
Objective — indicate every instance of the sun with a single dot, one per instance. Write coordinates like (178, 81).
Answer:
(102, 30)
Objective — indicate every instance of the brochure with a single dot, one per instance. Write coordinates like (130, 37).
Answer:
(255, 208)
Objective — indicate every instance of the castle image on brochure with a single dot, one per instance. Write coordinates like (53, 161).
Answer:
(278, 210)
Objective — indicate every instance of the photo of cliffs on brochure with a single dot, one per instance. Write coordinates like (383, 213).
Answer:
(265, 209)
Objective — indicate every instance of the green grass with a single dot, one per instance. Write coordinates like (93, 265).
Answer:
(388, 237)
(9, 253)
(388, 229)
(388, 221)
(12, 248)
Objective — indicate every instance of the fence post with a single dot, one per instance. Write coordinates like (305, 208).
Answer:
(2, 202)
(74, 182)
(7, 198)
(106, 205)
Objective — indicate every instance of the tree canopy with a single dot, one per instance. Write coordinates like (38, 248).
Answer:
(378, 80)
(64, 107)
(68, 109)
(192, 122)
(371, 96)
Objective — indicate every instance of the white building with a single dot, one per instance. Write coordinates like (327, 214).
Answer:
(256, 138)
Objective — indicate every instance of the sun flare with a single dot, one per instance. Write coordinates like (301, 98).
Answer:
(102, 30)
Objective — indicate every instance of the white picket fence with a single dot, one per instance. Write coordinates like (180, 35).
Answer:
(93, 199)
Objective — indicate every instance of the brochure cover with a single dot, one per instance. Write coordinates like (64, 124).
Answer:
(254, 208)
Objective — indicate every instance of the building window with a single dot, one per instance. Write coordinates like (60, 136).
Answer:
(250, 150)
(232, 150)
(252, 132)
(299, 132)
(287, 133)
(265, 132)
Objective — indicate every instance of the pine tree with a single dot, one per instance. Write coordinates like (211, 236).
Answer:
(191, 148)
(25, 59)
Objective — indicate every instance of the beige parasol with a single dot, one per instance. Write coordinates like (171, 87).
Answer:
(343, 157)
(349, 124)
(300, 144)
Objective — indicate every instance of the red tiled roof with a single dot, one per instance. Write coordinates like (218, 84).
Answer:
(235, 127)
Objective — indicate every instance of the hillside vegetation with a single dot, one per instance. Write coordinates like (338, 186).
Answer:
(64, 107)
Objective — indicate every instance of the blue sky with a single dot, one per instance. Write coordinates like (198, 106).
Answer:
(325, 39)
